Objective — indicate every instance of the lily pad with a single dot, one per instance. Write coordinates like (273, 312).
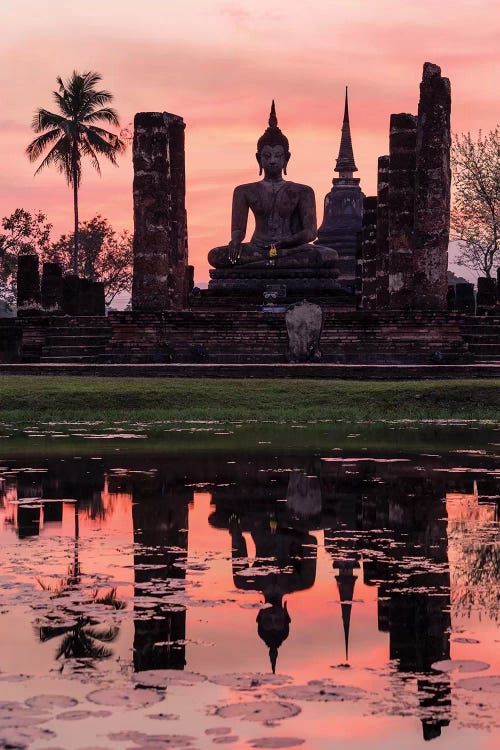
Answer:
(249, 680)
(487, 683)
(262, 711)
(162, 678)
(124, 697)
(460, 665)
(321, 690)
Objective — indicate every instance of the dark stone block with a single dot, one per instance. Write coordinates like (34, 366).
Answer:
(71, 295)
(52, 288)
(464, 298)
(486, 296)
(451, 297)
(29, 298)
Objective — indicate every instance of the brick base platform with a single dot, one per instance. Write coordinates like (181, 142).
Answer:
(250, 337)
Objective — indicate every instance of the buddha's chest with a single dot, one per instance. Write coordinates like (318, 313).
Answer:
(281, 202)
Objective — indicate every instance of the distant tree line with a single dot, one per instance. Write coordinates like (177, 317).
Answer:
(65, 137)
(104, 255)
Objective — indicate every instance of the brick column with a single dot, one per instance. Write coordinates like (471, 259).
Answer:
(383, 232)
(432, 191)
(402, 139)
(369, 254)
(160, 234)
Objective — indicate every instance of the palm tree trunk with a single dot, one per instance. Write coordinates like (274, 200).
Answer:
(75, 206)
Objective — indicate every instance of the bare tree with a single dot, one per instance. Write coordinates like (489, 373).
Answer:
(475, 216)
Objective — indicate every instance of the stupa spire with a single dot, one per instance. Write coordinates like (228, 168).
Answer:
(345, 160)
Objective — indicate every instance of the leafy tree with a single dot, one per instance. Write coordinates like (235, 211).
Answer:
(103, 256)
(25, 233)
(70, 134)
(475, 217)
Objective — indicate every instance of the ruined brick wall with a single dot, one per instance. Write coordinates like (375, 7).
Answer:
(383, 232)
(401, 200)
(160, 233)
(369, 254)
(432, 191)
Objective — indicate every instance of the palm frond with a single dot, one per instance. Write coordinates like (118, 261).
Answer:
(103, 144)
(105, 113)
(38, 146)
(43, 119)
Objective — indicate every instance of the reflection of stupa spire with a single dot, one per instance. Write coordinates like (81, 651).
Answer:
(346, 580)
(273, 655)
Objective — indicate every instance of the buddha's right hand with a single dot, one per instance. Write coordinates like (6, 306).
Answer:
(234, 251)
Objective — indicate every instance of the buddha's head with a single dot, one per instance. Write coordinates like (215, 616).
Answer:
(272, 148)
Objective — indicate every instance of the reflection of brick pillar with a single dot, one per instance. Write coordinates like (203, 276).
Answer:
(432, 191)
(369, 254)
(28, 282)
(160, 234)
(402, 140)
(383, 232)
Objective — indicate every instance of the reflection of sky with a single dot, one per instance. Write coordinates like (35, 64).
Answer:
(223, 638)
(219, 63)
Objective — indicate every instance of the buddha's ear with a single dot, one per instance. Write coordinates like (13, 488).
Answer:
(258, 162)
(287, 159)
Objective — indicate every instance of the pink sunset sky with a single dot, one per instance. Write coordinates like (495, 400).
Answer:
(218, 64)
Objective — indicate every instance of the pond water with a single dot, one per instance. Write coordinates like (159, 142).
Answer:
(315, 591)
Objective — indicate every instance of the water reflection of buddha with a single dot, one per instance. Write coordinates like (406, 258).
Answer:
(285, 561)
(284, 211)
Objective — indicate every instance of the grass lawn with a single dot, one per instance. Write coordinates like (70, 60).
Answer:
(25, 399)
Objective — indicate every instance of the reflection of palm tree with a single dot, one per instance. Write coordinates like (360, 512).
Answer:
(81, 638)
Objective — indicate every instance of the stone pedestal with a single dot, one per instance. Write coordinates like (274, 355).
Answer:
(402, 142)
(160, 233)
(383, 232)
(432, 191)
(241, 282)
(52, 288)
(29, 298)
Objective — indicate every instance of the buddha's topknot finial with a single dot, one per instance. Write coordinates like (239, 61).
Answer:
(273, 120)
(273, 135)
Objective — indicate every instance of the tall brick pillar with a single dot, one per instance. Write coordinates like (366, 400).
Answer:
(160, 232)
(432, 191)
(369, 254)
(402, 140)
(383, 232)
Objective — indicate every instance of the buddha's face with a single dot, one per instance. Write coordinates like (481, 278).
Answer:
(273, 160)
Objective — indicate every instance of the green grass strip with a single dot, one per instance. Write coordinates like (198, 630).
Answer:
(25, 400)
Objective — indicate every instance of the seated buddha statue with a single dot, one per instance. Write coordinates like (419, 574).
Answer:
(284, 211)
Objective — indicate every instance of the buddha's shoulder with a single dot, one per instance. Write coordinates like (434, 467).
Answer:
(297, 187)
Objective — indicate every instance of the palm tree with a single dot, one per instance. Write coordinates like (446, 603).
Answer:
(71, 133)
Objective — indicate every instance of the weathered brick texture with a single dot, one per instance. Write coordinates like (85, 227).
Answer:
(369, 254)
(432, 191)
(402, 141)
(160, 279)
(383, 232)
